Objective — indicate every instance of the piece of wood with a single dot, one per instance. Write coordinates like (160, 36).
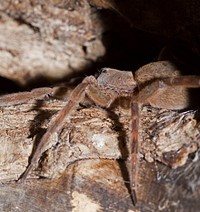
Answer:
(84, 167)
(44, 41)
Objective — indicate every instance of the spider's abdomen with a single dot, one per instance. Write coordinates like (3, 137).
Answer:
(153, 91)
(170, 98)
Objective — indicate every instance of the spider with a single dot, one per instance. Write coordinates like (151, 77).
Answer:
(157, 84)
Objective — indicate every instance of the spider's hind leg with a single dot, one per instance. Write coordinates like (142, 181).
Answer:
(133, 149)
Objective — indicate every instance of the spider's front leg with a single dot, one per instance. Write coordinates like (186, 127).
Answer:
(90, 87)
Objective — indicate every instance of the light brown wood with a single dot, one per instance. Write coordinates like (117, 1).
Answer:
(48, 40)
(80, 164)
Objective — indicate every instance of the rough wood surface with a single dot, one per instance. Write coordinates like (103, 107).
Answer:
(84, 167)
(46, 40)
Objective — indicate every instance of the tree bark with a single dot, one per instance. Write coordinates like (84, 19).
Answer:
(85, 165)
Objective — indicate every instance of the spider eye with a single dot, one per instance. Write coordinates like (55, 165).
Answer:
(104, 70)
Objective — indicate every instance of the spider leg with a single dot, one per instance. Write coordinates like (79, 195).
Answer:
(90, 87)
(133, 146)
(22, 97)
(143, 97)
(180, 81)
(55, 126)
(183, 81)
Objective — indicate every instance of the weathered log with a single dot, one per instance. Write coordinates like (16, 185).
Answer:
(85, 165)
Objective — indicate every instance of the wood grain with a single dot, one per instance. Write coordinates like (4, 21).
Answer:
(87, 161)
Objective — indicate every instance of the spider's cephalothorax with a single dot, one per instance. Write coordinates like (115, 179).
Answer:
(121, 82)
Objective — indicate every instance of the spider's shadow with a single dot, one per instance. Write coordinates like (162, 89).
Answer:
(36, 130)
(123, 147)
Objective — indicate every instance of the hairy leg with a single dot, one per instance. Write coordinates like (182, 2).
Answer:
(155, 87)
(133, 146)
(90, 87)
(55, 126)
(145, 96)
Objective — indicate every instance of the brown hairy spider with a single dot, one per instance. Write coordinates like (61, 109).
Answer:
(157, 84)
